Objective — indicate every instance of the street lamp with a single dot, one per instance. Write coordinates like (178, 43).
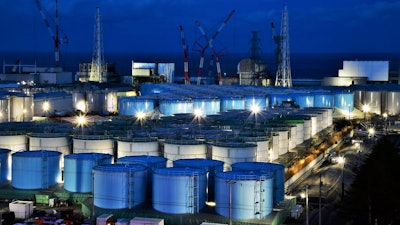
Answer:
(198, 113)
(255, 109)
(46, 107)
(305, 195)
(341, 160)
(366, 110)
(81, 121)
(141, 116)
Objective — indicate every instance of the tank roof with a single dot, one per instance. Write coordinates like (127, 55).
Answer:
(87, 156)
(142, 158)
(242, 175)
(39, 153)
(120, 167)
(179, 171)
(198, 162)
(257, 166)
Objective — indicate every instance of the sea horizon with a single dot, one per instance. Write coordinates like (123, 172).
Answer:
(303, 65)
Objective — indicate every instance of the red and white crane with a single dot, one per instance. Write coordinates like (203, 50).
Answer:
(209, 44)
(185, 56)
(54, 36)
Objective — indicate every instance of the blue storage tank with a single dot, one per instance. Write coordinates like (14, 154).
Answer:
(344, 100)
(256, 100)
(179, 190)
(4, 164)
(119, 186)
(78, 170)
(303, 99)
(208, 106)
(35, 169)
(276, 99)
(211, 167)
(247, 195)
(323, 99)
(151, 162)
(130, 106)
(277, 170)
(171, 106)
(232, 103)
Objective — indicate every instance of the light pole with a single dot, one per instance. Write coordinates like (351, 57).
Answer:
(198, 113)
(230, 182)
(255, 109)
(46, 107)
(305, 195)
(81, 120)
(366, 110)
(140, 116)
(342, 160)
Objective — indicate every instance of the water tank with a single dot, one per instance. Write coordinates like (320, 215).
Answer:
(262, 146)
(243, 195)
(208, 106)
(233, 152)
(35, 169)
(393, 102)
(5, 169)
(344, 100)
(175, 105)
(151, 162)
(274, 151)
(179, 190)
(119, 186)
(52, 103)
(373, 98)
(93, 143)
(21, 107)
(323, 99)
(137, 146)
(359, 98)
(261, 101)
(211, 167)
(4, 108)
(130, 106)
(277, 170)
(184, 149)
(50, 141)
(78, 170)
(15, 141)
(232, 103)
(303, 99)
(276, 98)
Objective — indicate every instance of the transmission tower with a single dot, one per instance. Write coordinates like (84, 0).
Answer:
(283, 72)
(97, 70)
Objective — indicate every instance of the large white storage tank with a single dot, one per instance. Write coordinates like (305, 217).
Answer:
(183, 149)
(137, 146)
(262, 147)
(277, 170)
(373, 98)
(232, 103)
(35, 169)
(50, 141)
(78, 170)
(179, 190)
(4, 108)
(93, 143)
(243, 195)
(15, 141)
(5, 162)
(52, 103)
(344, 100)
(119, 186)
(21, 107)
(393, 102)
(303, 99)
(233, 152)
(323, 99)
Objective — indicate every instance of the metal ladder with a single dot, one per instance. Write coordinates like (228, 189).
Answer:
(194, 202)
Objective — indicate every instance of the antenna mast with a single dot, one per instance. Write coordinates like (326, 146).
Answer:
(283, 72)
(97, 70)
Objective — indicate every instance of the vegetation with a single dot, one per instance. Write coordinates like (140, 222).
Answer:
(375, 192)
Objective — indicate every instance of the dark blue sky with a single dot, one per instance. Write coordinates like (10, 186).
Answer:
(331, 26)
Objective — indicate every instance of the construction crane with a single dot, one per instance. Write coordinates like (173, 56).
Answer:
(283, 71)
(209, 44)
(54, 36)
(185, 56)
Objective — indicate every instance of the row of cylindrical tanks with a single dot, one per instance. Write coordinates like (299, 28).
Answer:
(248, 191)
(264, 143)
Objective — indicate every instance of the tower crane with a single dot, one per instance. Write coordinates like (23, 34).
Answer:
(186, 57)
(54, 36)
(209, 44)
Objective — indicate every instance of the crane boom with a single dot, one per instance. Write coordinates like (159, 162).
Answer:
(55, 36)
(209, 44)
(186, 57)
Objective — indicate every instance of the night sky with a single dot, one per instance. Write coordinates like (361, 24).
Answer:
(152, 26)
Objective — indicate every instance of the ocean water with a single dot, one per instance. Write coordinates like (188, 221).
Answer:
(303, 66)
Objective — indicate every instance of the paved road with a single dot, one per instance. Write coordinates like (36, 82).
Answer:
(333, 176)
